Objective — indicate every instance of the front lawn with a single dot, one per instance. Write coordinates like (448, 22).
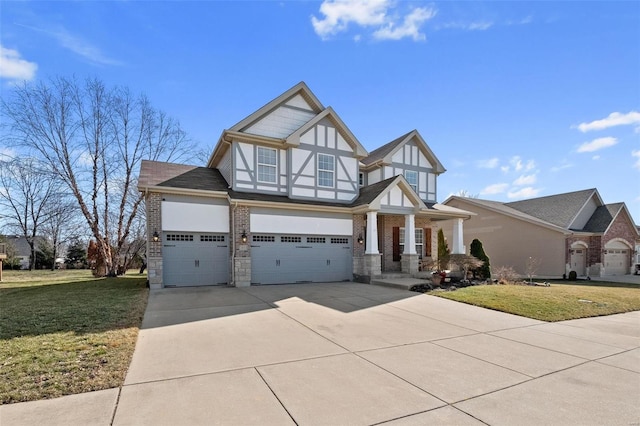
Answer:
(65, 332)
(555, 303)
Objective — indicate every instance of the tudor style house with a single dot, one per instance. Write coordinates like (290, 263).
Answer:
(574, 231)
(290, 195)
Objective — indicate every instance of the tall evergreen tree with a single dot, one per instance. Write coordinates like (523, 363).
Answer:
(477, 251)
(443, 251)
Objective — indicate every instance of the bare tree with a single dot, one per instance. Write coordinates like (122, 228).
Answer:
(531, 267)
(26, 189)
(61, 225)
(94, 139)
(465, 262)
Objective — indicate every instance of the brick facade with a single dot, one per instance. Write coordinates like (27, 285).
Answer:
(241, 257)
(386, 223)
(359, 272)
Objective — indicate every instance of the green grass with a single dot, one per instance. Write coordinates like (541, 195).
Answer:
(555, 303)
(65, 332)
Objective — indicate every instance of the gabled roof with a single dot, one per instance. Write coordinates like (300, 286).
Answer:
(299, 89)
(559, 209)
(385, 153)
(330, 114)
(602, 217)
(505, 209)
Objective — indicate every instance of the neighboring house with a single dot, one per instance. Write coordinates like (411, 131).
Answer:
(290, 195)
(21, 248)
(575, 231)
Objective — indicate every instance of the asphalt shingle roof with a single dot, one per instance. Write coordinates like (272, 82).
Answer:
(559, 209)
(602, 217)
(381, 152)
(202, 178)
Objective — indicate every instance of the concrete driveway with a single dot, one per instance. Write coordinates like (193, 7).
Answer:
(345, 353)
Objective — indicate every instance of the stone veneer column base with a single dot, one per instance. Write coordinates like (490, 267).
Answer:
(372, 265)
(409, 263)
(242, 271)
(154, 272)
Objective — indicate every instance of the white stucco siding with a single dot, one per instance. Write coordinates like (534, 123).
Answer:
(423, 162)
(342, 144)
(225, 165)
(273, 221)
(396, 198)
(374, 176)
(281, 122)
(431, 191)
(194, 217)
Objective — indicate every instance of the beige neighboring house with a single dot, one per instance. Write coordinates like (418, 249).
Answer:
(575, 231)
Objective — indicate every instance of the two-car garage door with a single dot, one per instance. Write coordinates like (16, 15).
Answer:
(277, 259)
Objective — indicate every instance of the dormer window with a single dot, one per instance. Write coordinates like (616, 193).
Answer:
(412, 178)
(267, 164)
(326, 170)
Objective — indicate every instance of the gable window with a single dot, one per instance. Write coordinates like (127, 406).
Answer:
(267, 164)
(419, 241)
(412, 177)
(326, 170)
(361, 179)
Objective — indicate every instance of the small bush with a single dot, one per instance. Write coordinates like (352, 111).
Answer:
(573, 276)
(506, 275)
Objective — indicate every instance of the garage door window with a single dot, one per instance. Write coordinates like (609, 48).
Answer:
(179, 237)
(264, 238)
(316, 240)
(339, 241)
(290, 239)
(211, 238)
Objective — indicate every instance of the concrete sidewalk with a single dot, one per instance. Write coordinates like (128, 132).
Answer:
(345, 353)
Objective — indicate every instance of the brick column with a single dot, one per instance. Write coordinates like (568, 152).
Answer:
(358, 249)
(372, 260)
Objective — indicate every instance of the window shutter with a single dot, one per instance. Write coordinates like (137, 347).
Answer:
(427, 242)
(396, 243)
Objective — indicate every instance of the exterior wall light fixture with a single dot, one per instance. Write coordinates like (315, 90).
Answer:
(156, 237)
(360, 240)
(244, 236)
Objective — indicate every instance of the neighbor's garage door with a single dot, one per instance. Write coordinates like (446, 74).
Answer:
(279, 259)
(616, 262)
(192, 259)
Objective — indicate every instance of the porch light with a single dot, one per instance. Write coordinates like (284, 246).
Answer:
(360, 240)
(244, 236)
(156, 237)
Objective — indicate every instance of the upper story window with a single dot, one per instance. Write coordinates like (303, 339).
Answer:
(326, 170)
(267, 164)
(361, 179)
(412, 178)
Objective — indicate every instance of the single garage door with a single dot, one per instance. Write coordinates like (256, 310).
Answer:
(280, 259)
(616, 262)
(192, 259)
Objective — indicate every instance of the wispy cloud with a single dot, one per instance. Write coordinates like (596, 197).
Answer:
(636, 155)
(77, 45)
(496, 188)
(563, 166)
(612, 120)
(410, 26)
(491, 163)
(525, 180)
(467, 26)
(527, 192)
(597, 144)
(517, 164)
(13, 67)
(387, 24)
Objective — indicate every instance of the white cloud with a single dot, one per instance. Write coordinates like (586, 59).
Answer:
(613, 119)
(339, 14)
(496, 188)
(410, 26)
(527, 192)
(491, 163)
(7, 153)
(562, 166)
(77, 45)
(467, 26)
(597, 144)
(595, 157)
(13, 67)
(636, 154)
(526, 180)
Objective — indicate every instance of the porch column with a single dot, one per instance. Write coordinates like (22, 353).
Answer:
(372, 258)
(372, 233)
(458, 244)
(409, 261)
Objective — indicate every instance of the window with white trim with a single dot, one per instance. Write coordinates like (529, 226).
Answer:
(419, 241)
(412, 178)
(326, 170)
(267, 164)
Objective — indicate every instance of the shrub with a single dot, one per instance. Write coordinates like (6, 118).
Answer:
(477, 251)
(573, 275)
(506, 275)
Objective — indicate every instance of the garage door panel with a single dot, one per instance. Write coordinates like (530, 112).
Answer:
(279, 259)
(616, 262)
(191, 259)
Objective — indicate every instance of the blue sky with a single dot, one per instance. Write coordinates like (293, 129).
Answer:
(517, 99)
